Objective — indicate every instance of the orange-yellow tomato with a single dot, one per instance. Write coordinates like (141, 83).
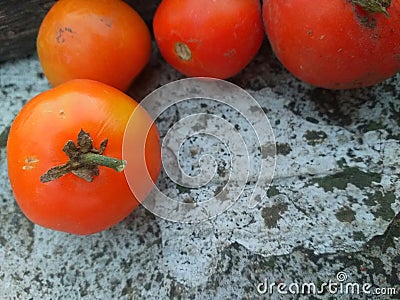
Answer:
(37, 141)
(103, 40)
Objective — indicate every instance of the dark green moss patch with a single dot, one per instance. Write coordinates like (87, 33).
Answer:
(283, 148)
(359, 236)
(351, 175)
(372, 126)
(182, 189)
(393, 136)
(271, 215)
(341, 163)
(384, 200)
(272, 191)
(267, 263)
(345, 214)
(315, 137)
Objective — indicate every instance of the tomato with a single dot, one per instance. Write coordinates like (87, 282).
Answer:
(103, 40)
(334, 44)
(92, 197)
(211, 38)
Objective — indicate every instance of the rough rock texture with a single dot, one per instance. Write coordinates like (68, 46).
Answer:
(331, 213)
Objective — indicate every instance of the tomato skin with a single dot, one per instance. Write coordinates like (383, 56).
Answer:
(333, 43)
(103, 40)
(35, 144)
(222, 36)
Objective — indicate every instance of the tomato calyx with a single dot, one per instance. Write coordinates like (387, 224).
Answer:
(84, 160)
(373, 6)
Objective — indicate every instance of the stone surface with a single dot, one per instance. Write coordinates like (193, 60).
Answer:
(333, 205)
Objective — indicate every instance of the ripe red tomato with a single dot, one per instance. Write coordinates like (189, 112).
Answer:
(103, 40)
(334, 44)
(213, 38)
(38, 142)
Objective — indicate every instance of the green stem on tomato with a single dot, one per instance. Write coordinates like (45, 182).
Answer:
(373, 6)
(102, 160)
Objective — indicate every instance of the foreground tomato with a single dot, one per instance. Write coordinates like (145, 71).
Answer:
(335, 44)
(214, 38)
(104, 40)
(88, 198)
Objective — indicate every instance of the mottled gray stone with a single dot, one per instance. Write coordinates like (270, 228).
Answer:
(331, 208)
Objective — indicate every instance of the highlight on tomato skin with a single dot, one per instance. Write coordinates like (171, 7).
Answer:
(79, 121)
(335, 44)
(103, 40)
(208, 38)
